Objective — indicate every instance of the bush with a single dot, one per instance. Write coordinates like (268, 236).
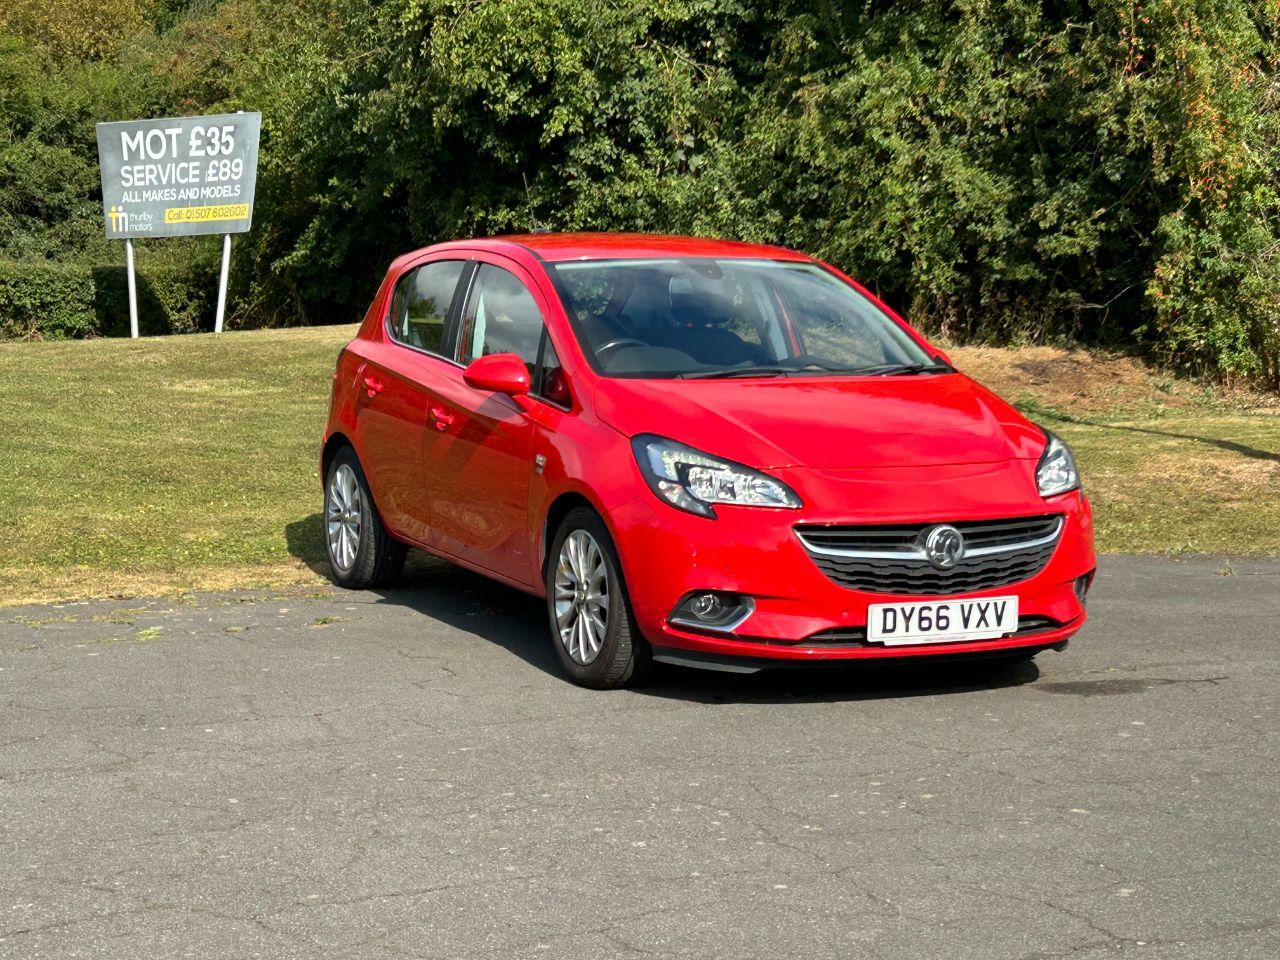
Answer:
(38, 300)
(54, 301)
(998, 170)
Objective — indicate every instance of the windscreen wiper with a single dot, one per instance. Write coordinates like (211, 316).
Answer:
(736, 372)
(772, 371)
(898, 369)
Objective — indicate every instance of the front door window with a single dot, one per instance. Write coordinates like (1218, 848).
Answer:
(503, 318)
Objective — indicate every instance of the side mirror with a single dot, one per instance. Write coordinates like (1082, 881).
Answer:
(499, 372)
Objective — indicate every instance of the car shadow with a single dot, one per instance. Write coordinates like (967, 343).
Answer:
(448, 593)
(474, 604)
(305, 541)
(865, 680)
(516, 621)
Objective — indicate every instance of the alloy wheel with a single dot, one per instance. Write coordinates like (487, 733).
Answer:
(343, 516)
(581, 597)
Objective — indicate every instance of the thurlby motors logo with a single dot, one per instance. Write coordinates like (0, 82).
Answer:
(119, 219)
(123, 221)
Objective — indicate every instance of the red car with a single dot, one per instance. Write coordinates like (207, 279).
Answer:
(700, 452)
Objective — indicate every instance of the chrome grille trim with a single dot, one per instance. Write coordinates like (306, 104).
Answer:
(915, 549)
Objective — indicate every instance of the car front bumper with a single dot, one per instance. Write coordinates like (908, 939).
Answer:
(667, 554)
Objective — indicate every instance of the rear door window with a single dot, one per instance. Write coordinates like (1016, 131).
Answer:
(420, 307)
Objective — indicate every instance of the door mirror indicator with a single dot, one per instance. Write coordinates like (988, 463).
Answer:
(499, 372)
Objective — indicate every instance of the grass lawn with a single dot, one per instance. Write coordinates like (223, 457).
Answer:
(179, 463)
(162, 464)
(1171, 466)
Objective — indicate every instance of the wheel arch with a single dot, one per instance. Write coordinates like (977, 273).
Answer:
(332, 444)
(556, 512)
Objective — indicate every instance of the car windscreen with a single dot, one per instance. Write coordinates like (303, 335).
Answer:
(694, 317)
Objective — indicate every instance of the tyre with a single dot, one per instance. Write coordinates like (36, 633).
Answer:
(361, 552)
(592, 626)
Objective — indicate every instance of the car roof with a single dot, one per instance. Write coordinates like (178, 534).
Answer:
(607, 246)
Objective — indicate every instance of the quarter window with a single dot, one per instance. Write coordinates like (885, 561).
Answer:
(551, 384)
(420, 306)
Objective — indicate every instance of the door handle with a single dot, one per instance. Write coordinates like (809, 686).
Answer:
(372, 386)
(441, 417)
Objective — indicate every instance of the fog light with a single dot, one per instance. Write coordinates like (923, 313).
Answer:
(712, 610)
(1082, 585)
(706, 606)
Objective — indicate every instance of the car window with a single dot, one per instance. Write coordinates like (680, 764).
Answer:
(672, 317)
(551, 383)
(502, 317)
(420, 306)
(830, 324)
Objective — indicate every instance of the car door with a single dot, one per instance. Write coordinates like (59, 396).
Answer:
(396, 385)
(479, 446)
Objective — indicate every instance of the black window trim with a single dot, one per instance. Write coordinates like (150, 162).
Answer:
(459, 308)
(467, 312)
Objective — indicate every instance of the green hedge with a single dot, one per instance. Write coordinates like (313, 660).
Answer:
(999, 171)
(55, 301)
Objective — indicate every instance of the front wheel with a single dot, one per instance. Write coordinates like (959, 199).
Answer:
(361, 552)
(592, 627)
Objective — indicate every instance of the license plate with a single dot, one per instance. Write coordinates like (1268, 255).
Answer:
(941, 621)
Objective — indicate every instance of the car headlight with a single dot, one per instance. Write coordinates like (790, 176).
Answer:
(1056, 472)
(691, 480)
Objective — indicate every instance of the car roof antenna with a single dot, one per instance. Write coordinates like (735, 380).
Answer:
(528, 199)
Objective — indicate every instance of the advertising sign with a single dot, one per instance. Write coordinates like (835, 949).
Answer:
(179, 177)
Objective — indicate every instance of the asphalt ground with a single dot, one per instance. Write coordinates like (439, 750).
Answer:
(406, 774)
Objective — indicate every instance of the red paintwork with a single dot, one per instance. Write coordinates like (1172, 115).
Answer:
(500, 373)
(827, 423)
(451, 466)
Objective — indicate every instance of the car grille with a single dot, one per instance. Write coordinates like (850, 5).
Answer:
(857, 636)
(890, 558)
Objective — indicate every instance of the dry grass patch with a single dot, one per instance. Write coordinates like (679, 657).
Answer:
(1088, 382)
(20, 586)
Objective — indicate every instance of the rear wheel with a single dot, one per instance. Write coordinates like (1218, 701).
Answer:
(592, 627)
(361, 552)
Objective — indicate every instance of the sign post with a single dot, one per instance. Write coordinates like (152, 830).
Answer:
(179, 177)
(222, 283)
(133, 288)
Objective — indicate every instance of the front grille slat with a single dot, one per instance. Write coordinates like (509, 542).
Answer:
(896, 564)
